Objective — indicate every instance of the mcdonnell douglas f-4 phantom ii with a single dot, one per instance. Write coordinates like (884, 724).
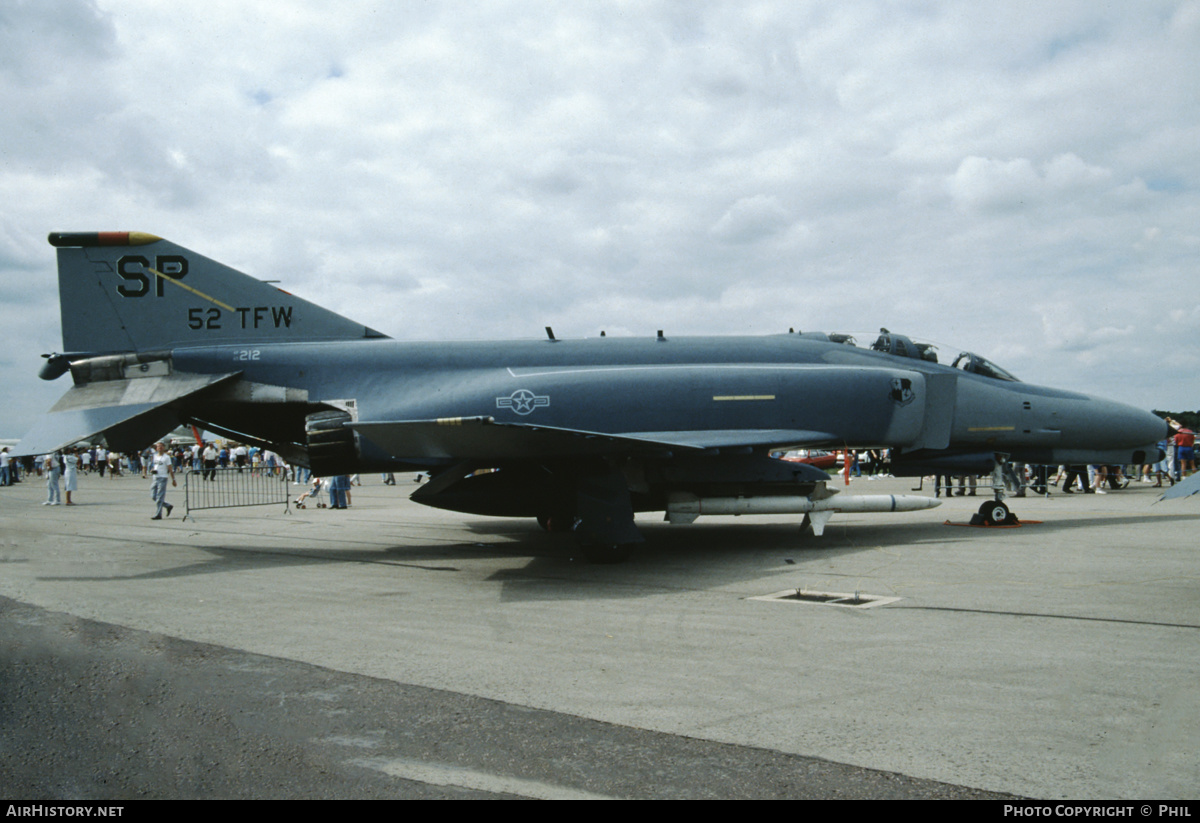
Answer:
(580, 434)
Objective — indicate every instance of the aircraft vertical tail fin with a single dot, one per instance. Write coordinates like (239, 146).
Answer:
(131, 291)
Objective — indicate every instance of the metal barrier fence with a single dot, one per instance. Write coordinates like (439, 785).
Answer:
(230, 488)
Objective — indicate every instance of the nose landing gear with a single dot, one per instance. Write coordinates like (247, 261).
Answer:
(995, 512)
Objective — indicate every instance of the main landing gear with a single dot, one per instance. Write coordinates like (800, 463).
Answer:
(598, 553)
(600, 513)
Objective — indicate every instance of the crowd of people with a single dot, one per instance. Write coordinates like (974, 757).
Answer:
(1178, 461)
(61, 470)
(100, 461)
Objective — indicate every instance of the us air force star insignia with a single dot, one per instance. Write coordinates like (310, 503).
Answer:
(523, 401)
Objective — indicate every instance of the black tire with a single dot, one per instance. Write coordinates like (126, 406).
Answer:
(994, 513)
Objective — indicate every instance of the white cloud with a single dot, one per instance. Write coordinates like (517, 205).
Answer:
(1004, 185)
(751, 219)
(985, 183)
(460, 169)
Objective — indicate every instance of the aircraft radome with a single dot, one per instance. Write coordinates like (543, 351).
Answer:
(581, 434)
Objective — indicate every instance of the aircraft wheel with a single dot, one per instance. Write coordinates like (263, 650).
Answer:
(994, 513)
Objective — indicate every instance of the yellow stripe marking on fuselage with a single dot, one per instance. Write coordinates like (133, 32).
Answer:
(721, 397)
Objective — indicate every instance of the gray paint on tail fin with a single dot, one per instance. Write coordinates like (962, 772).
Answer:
(159, 295)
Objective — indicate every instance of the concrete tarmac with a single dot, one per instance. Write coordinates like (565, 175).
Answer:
(1054, 660)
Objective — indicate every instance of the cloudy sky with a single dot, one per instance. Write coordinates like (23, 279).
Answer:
(1021, 179)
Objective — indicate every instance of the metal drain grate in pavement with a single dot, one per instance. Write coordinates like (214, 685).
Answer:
(849, 600)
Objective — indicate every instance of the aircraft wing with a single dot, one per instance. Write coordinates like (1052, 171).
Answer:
(484, 438)
(126, 411)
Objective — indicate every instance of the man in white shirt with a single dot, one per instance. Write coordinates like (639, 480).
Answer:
(162, 468)
(210, 462)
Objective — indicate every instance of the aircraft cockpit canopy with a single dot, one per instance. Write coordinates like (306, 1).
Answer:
(902, 346)
(973, 363)
(898, 345)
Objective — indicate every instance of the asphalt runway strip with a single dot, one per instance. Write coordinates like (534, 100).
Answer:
(93, 711)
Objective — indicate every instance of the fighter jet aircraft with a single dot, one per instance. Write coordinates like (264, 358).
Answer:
(580, 434)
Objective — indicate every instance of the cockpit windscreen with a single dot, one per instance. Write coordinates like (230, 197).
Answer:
(973, 363)
(898, 345)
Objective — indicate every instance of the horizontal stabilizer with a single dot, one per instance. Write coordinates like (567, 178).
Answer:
(128, 413)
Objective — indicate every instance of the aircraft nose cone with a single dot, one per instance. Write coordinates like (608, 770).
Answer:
(1128, 426)
(1152, 427)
